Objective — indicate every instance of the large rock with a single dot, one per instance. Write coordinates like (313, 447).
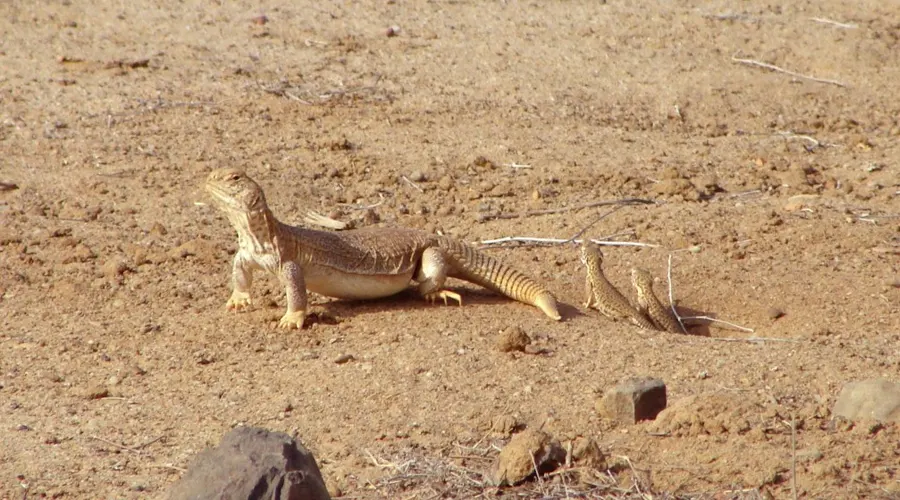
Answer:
(633, 400)
(874, 399)
(253, 464)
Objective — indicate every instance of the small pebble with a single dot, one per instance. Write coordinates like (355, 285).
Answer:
(344, 358)
(774, 313)
(97, 392)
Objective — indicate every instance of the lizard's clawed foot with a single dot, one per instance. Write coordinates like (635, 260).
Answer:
(292, 320)
(238, 301)
(443, 294)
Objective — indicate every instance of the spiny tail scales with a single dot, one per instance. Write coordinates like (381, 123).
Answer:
(479, 268)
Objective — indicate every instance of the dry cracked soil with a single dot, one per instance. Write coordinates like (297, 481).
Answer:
(774, 190)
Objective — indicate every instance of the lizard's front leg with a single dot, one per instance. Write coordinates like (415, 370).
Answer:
(241, 280)
(295, 288)
(588, 292)
(432, 274)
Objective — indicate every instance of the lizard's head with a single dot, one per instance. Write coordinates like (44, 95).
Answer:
(233, 191)
(590, 253)
(641, 280)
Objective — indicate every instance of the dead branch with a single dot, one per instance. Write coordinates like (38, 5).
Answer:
(117, 445)
(672, 296)
(411, 183)
(793, 457)
(753, 340)
(528, 241)
(836, 24)
(318, 219)
(772, 67)
(590, 204)
(715, 320)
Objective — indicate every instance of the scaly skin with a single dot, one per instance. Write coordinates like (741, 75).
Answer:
(602, 295)
(357, 264)
(649, 303)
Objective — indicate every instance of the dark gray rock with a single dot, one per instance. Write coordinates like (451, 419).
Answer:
(252, 464)
(633, 400)
(873, 399)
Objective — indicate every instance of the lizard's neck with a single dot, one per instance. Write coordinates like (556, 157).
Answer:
(257, 231)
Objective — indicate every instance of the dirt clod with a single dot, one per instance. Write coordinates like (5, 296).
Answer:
(875, 399)
(527, 452)
(511, 339)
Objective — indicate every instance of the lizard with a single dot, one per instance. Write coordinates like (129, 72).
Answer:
(649, 303)
(354, 264)
(603, 295)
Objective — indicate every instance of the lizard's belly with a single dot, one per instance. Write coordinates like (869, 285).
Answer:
(356, 286)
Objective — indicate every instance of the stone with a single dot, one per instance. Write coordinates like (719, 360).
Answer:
(799, 202)
(873, 399)
(633, 400)
(252, 463)
(505, 425)
(525, 452)
(587, 453)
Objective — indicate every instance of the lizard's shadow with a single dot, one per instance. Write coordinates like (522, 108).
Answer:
(410, 299)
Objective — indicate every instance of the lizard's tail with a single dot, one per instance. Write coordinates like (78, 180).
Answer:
(481, 269)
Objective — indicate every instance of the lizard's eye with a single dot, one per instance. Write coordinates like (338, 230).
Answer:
(233, 177)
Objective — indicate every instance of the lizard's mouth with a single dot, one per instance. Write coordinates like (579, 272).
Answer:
(220, 198)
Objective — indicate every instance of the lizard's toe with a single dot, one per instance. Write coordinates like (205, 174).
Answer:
(238, 301)
(444, 294)
(292, 320)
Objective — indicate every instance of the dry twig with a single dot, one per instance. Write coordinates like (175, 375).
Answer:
(318, 219)
(716, 320)
(772, 67)
(833, 23)
(411, 183)
(557, 241)
(582, 206)
(672, 296)
(117, 445)
(793, 457)
(753, 340)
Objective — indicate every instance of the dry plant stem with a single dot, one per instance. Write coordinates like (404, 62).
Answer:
(793, 457)
(318, 219)
(672, 296)
(753, 340)
(411, 183)
(596, 220)
(714, 320)
(772, 67)
(558, 241)
(833, 23)
(166, 466)
(537, 474)
(117, 445)
(590, 204)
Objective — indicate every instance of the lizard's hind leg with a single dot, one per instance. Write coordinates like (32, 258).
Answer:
(433, 270)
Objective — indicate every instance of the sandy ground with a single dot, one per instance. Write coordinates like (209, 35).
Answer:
(118, 361)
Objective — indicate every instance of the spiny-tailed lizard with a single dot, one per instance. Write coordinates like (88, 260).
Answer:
(602, 295)
(649, 303)
(356, 264)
